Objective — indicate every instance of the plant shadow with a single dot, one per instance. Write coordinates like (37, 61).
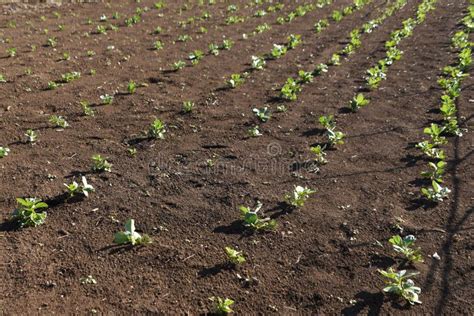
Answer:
(365, 300)
(214, 270)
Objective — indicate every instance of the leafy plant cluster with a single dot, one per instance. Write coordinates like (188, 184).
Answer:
(378, 72)
(450, 82)
(292, 87)
(399, 283)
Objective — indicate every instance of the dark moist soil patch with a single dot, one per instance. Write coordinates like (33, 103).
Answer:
(323, 258)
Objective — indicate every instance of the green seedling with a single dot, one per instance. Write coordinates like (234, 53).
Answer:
(106, 99)
(399, 284)
(253, 221)
(11, 52)
(58, 121)
(436, 172)
(278, 51)
(357, 102)
(298, 197)
(293, 41)
(157, 129)
(4, 151)
(263, 114)
(31, 136)
(235, 257)
(431, 150)
(227, 44)
(52, 85)
(178, 65)
(100, 164)
(254, 131)
(70, 76)
(321, 25)
(188, 106)
(335, 138)
(328, 122)
(83, 188)
(223, 305)
(436, 193)
(320, 69)
(235, 80)
(196, 56)
(290, 90)
(86, 108)
(131, 87)
(130, 236)
(258, 63)
(404, 246)
(158, 45)
(26, 214)
(435, 131)
(214, 49)
(305, 76)
(320, 154)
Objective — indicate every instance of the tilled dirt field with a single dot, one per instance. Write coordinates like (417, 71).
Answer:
(185, 190)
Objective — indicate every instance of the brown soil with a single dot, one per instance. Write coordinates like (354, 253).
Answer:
(323, 258)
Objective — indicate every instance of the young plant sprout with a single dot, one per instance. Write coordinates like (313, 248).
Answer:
(52, 85)
(435, 131)
(263, 114)
(130, 236)
(158, 45)
(335, 60)
(100, 164)
(4, 151)
(278, 51)
(178, 65)
(430, 150)
(321, 68)
(328, 122)
(227, 44)
(223, 305)
(70, 76)
(86, 109)
(399, 284)
(26, 214)
(235, 257)
(357, 102)
(252, 220)
(436, 174)
(83, 188)
(320, 154)
(31, 136)
(293, 41)
(214, 49)
(106, 99)
(435, 193)
(58, 121)
(305, 76)
(11, 52)
(258, 63)
(321, 25)
(235, 80)
(131, 87)
(196, 56)
(334, 137)
(188, 106)
(298, 197)
(254, 131)
(157, 129)
(290, 90)
(404, 246)
(2, 79)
